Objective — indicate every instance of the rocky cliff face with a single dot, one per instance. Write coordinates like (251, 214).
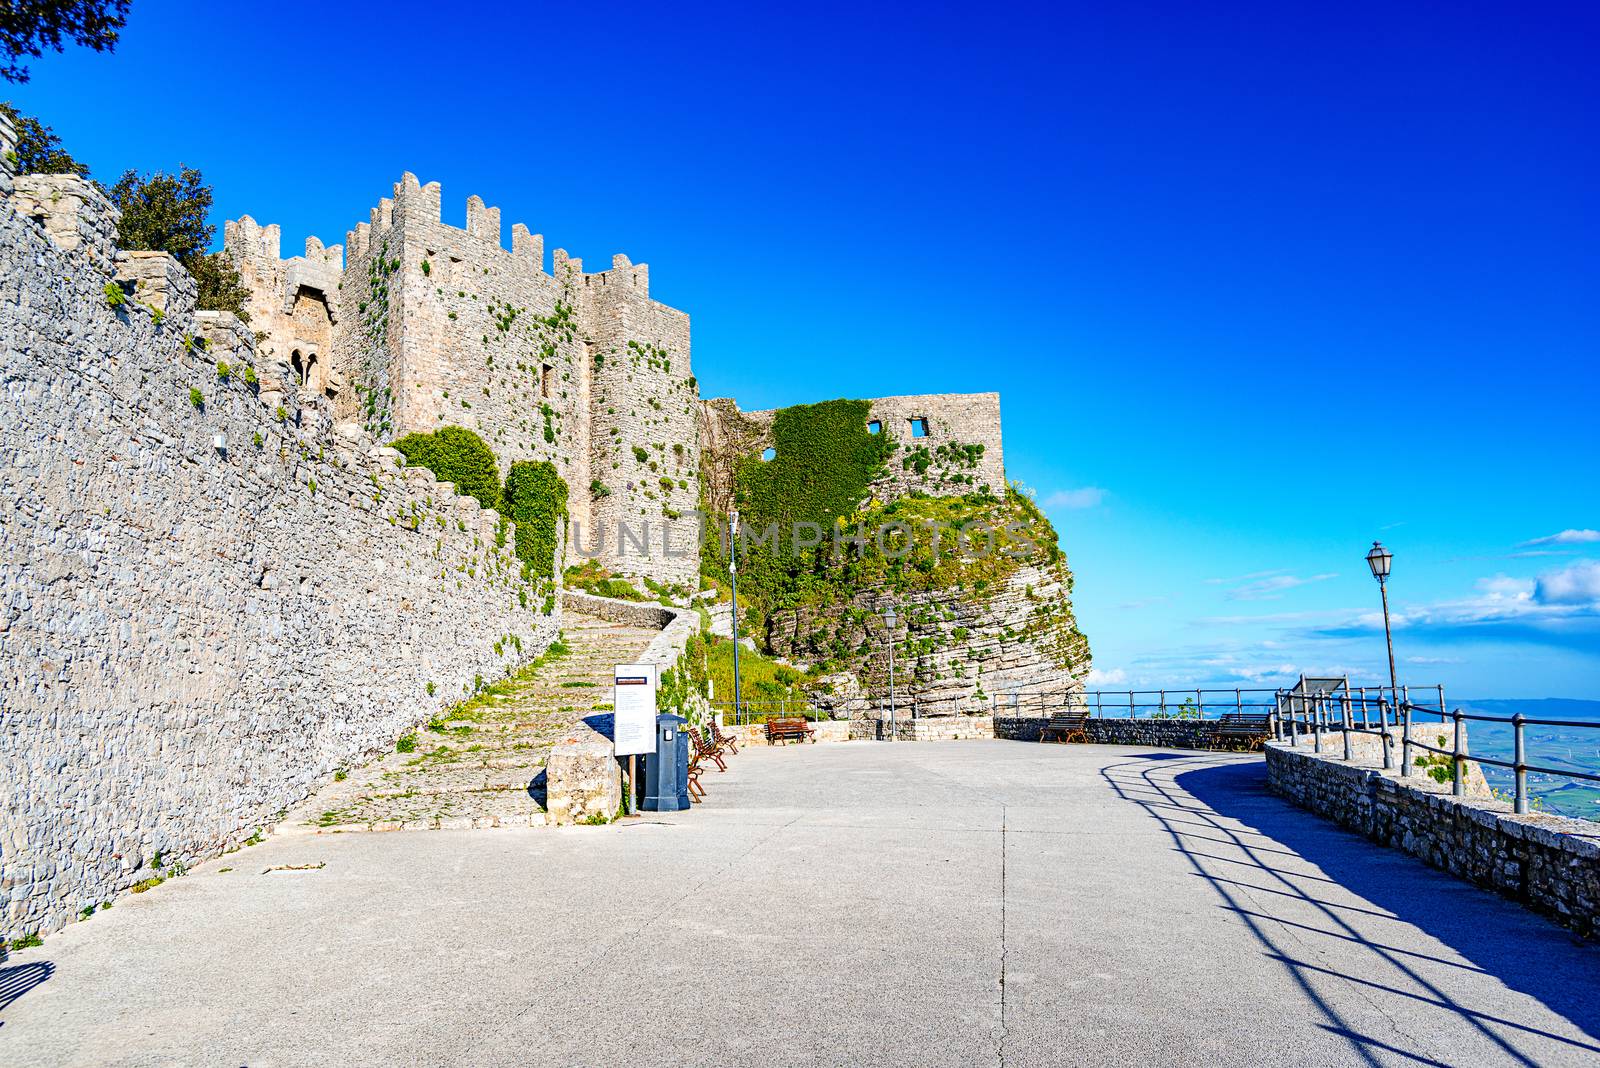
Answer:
(980, 588)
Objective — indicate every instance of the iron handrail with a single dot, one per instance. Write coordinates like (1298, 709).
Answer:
(1317, 721)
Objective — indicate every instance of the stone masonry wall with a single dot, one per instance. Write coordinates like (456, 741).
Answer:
(1549, 863)
(444, 325)
(944, 462)
(955, 423)
(210, 598)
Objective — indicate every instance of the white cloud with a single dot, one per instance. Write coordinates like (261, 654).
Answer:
(1567, 537)
(1273, 586)
(1102, 679)
(1084, 497)
(1577, 583)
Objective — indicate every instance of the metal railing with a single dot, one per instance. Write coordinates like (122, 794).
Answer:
(761, 711)
(1140, 704)
(1323, 713)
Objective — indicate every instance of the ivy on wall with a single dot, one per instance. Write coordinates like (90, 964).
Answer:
(535, 498)
(455, 454)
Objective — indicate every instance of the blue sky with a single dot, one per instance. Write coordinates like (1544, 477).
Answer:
(1256, 286)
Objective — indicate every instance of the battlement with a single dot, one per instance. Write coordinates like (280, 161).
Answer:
(73, 213)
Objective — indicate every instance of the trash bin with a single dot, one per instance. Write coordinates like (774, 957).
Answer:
(666, 771)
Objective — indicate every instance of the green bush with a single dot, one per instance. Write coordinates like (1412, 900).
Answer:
(455, 454)
(535, 498)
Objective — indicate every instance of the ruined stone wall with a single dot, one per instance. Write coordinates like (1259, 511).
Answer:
(293, 305)
(961, 451)
(210, 597)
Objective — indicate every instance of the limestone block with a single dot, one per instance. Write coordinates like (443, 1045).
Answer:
(584, 783)
(157, 280)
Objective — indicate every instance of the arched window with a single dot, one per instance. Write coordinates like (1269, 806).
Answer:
(298, 365)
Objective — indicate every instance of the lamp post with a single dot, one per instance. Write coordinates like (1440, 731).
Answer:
(1378, 559)
(733, 575)
(888, 622)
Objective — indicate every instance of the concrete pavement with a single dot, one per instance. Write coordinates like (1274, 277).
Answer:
(940, 903)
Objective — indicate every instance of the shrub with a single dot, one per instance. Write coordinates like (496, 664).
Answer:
(115, 296)
(223, 370)
(455, 454)
(197, 398)
(535, 498)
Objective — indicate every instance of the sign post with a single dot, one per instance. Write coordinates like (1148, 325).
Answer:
(633, 722)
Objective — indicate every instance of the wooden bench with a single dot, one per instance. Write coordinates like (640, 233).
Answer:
(1068, 726)
(788, 729)
(720, 740)
(1249, 729)
(704, 750)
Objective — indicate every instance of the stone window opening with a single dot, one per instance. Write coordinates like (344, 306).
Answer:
(298, 365)
(546, 385)
(919, 426)
(875, 427)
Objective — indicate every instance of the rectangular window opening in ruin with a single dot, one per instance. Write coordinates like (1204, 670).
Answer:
(546, 385)
(875, 427)
(919, 427)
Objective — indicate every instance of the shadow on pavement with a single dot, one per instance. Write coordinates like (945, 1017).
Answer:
(18, 979)
(1213, 807)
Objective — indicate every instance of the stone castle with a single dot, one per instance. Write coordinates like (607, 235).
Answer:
(414, 324)
(219, 584)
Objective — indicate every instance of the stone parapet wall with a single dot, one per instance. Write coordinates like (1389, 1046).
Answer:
(1549, 863)
(755, 734)
(209, 600)
(1162, 733)
(923, 728)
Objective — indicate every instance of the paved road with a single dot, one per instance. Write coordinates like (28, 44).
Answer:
(961, 903)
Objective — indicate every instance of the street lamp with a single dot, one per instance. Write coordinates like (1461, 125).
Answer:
(733, 575)
(888, 622)
(1378, 559)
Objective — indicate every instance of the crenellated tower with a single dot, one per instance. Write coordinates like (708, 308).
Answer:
(430, 325)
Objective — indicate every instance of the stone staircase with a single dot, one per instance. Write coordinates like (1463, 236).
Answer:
(475, 770)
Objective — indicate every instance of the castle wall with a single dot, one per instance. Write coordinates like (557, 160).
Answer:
(645, 446)
(196, 630)
(444, 325)
(954, 422)
(947, 461)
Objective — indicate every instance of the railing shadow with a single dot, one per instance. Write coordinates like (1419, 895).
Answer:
(1210, 805)
(18, 979)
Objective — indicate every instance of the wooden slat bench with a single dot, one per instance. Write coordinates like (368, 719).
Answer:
(704, 749)
(789, 729)
(1247, 729)
(720, 740)
(1067, 726)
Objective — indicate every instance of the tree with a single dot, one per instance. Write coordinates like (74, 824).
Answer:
(167, 213)
(39, 150)
(28, 27)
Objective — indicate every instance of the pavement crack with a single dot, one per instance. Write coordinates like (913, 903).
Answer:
(1000, 1051)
